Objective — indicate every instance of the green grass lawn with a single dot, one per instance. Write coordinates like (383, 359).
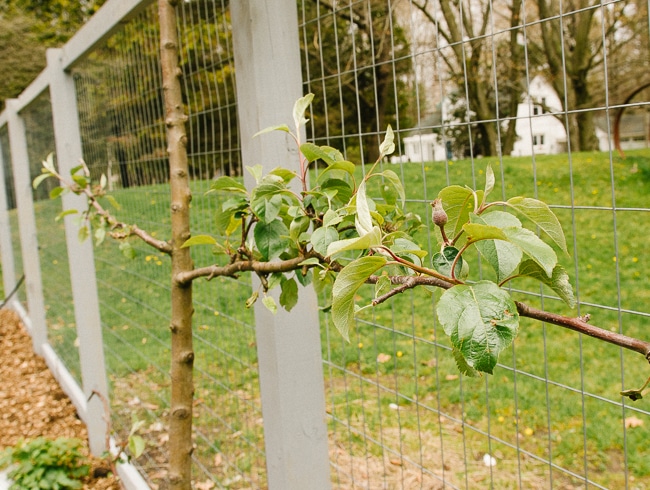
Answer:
(553, 397)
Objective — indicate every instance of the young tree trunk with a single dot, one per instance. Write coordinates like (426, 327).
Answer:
(180, 420)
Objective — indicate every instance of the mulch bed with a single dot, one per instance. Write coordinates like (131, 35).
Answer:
(32, 403)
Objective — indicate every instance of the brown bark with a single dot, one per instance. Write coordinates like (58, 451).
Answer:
(180, 419)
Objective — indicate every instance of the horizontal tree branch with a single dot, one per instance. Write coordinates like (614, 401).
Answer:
(231, 270)
(404, 283)
(572, 323)
(579, 325)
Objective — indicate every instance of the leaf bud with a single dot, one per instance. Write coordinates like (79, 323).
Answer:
(439, 215)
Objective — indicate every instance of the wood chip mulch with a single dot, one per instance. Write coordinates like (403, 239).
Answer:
(32, 403)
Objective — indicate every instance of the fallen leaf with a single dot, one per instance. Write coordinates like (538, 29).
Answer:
(134, 401)
(396, 462)
(206, 485)
(382, 358)
(451, 377)
(632, 422)
(489, 460)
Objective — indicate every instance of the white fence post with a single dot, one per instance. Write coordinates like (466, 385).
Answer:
(6, 248)
(80, 255)
(269, 81)
(27, 225)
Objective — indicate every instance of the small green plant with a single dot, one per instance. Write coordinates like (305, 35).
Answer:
(46, 464)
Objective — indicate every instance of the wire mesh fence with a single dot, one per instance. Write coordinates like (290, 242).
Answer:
(553, 95)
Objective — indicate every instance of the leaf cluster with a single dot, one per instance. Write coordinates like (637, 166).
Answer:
(331, 232)
(46, 464)
(354, 238)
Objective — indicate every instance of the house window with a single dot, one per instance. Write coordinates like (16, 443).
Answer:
(538, 139)
(536, 110)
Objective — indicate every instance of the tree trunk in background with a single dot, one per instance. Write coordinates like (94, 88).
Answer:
(180, 419)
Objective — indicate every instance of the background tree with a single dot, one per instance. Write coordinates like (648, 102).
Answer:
(573, 38)
(358, 54)
(38, 25)
(486, 72)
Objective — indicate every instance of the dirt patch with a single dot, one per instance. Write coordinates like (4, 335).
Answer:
(32, 403)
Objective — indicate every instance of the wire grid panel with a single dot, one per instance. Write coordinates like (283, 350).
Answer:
(122, 118)
(466, 84)
(57, 292)
(10, 193)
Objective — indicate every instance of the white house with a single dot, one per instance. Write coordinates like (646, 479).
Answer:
(426, 147)
(537, 126)
(538, 130)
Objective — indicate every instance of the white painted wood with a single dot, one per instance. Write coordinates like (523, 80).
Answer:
(27, 225)
(80, 255)
(6, 247)
(106, 21)
(268, 77)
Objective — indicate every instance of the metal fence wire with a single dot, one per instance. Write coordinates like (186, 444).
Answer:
(553, 95)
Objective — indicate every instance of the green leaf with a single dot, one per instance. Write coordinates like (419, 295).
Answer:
(458, 202)
(279, 127)
(526, 240)
(76, 169)
(337, 187)
(503, 256)
(251, 301)
(462, 365)
(343, 165)
(113, 202)
(395, 181)
(481, 321)
(285, 174)
(269, 302)
(298, 225)
(346, 285)
(299, 109)
(365, 242)
(127, 250)
(382, 285)
(388, 145)
(442, 262)
(227, 184)
(38, 180)
(80, 180)
(100, 235)
(136, 445)
(63, 214)
(310, 261)
(489, 182)
(256, 171)
(404, 247)
(558, 282)
(540, 214)
(322, 237)
(83, 234)
(328, 154)
(362, 220)
(274, 279)
(199, 240)
(289, 294)
(48, 163)
(331, 218)
(271, 239)
(267, 207)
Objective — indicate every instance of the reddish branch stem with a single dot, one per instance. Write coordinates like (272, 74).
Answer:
(235, 268)
(575, 324)
(578, 325)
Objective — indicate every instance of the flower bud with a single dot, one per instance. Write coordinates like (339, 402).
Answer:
(439, 216)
